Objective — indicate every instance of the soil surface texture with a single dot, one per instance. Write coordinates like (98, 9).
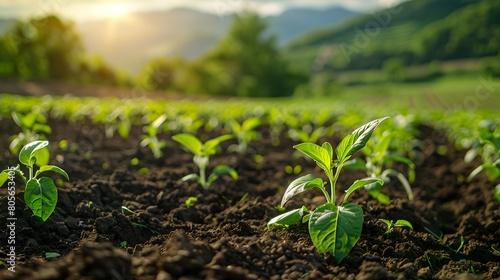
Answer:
(223, 235)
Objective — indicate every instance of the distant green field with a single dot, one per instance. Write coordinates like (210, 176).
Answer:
(450, 92)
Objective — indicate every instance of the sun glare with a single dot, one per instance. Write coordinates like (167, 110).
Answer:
(111, 10)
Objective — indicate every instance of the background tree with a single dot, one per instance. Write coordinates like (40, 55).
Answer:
(251, 60)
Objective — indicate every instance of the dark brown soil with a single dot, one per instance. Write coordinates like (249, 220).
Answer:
(224, 236)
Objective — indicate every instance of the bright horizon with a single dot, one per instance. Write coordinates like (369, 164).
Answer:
(80, 10)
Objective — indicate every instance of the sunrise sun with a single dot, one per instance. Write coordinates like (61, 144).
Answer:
(111, 10)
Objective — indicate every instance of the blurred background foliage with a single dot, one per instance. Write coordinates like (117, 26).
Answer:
(416, 41)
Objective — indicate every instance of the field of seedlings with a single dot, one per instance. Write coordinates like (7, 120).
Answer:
(107, 188)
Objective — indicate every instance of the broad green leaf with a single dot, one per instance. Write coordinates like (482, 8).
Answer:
(28, 151)
(361, 183)
(289, 218)
(328, 147)
(225, 170)
(403, 223)
(190, 142)
(355, 164)
(209, 146)
(497, 192)
(356, 140)
(317, 153)
(41, 197)
(42, 156)
(193, 177)
(299, 185)
(336, 229)
(52, 168)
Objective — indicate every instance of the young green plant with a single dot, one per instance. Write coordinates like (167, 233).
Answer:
(378, 163)
(150, 139)
(399, 223)
(202, 152)
(41, 192)
(333, 228)
(33, 127)
(245, 132)
(487, 146)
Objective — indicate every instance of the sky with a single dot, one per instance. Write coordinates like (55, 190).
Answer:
(81, 10)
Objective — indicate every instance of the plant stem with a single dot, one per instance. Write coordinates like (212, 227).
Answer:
(30, 168)
(333, 181)
(203, 181)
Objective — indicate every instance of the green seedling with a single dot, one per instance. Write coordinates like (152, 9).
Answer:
(40, 194)
(487, 146)
(202, 152)
(245, 132)
(399, 223)
(378, 164)
(440, 239)
(33, 128)
(191, 201)
(150, 139)
(123, 244)
(333, 228)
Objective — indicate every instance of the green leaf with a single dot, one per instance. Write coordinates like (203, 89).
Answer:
(474, 172)
(388, 223)
(355, 164)
(42, 156)
(225, 170)
(190, 142)
(289, 218)
(317, 153)
(4, 176)
(328, 147)
(52, 168)
(209, 146)
(492, 170)
(403, 223)
(159, 121)
(401, 159)
(356, 140)
(361, 183)
(28, 151)
(382, 146)
(497, 192)
(41, 197)
(376, 192)
(193, 177)
(250, 124)
(336, 229)
(299, 185)
(45, 129)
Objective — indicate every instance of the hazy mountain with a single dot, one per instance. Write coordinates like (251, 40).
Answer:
(294, 22)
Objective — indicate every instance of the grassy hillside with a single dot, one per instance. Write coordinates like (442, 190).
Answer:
(389, 30)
